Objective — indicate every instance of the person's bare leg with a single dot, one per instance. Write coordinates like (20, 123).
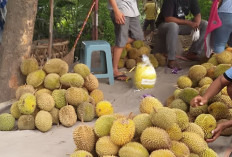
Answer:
(112, 52)
(130, 40)
(117, 51)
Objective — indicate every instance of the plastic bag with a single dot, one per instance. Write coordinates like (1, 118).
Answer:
(145, 74)
(195, 34)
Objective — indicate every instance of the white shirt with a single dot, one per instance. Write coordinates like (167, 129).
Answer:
(127, 7)
(226, 7)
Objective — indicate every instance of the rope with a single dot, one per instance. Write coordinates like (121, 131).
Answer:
(86, 19)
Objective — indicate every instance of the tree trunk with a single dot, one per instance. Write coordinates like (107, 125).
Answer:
(16, 44)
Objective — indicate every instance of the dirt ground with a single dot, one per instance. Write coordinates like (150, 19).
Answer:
(58, 142)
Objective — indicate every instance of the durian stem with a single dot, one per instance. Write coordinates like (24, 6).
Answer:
(35, 91)
(155, 109)
(204, 119)
(82, 121)
(130, 116)
(132, 69)
(91, 100)
(70, 84)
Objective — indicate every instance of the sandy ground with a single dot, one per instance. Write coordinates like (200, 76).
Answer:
(125, 98)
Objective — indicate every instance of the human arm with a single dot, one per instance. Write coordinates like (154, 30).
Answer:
(213, 90)
(220, 127)
(181, 21)
(195, 11)
(170, 14)
(197, 19)
(119, 16)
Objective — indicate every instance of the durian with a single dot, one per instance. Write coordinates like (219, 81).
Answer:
(7, 122)
(43, 121)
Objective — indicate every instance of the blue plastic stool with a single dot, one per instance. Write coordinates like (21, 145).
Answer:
(105, 57)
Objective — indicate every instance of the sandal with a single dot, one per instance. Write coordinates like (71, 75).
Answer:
(182, 58)
(192, 56)
(122, 77)
(172, 64)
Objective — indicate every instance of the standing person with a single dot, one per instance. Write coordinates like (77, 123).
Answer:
(125, 16)
(150, 10)
(221, 35)
(222, 81)
(219, 29)
(171, 22)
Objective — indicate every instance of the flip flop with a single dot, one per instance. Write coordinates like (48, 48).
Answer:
(192, 56)
(182, 58)
(174, 65)
(122, 77)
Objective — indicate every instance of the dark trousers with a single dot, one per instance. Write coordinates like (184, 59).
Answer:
(168, 33)
(147, 23)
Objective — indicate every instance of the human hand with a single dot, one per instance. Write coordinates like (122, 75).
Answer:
(216, 132)
(194, 25)
(198, 101)
(119, 18)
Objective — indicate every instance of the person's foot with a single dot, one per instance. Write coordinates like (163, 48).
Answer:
(121, 77)
(192, 56)
(172, 64)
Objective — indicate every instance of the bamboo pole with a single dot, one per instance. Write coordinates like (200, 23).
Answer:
(50, 30)
(95, 21)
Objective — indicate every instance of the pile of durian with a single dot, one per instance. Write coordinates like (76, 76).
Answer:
(157, 131)
(196, 82)
(53, 95)
(132, 53)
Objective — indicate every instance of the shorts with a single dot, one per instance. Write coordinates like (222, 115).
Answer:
(131, 28)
